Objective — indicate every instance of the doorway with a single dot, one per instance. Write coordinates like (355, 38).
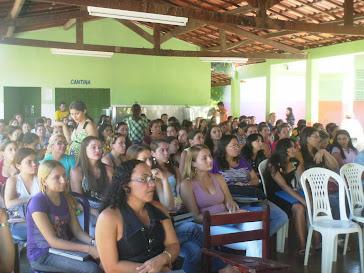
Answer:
(23, 100)
(96, 99)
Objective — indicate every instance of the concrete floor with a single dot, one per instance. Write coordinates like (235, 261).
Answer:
(345, 264)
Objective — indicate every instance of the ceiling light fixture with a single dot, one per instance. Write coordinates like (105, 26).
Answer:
(102, 54)
(137, 16)
(223, 60)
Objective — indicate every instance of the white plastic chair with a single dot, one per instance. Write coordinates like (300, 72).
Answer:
(352, 173)
(282, 233)
(321, 218)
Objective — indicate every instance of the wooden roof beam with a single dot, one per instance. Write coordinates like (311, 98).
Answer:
(243, 9)
(222, 40)
(147, 51)
(18, 4)
(238, 31)
(208, 17)
(138, 30)
(348, 12)
(228, 46)
(69, 23)
(191, 26)
(43, 19)
(157, 36)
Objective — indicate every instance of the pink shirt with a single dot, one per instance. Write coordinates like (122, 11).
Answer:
(214, 203)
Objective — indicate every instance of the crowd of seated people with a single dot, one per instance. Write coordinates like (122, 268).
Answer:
(137, 173)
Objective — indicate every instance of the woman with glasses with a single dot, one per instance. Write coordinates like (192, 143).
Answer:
(134, 233)
(241, 178)
(56, 150)
(189, 234)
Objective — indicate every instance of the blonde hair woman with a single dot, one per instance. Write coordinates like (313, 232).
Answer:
(56, 150)
(203, 191)
(51, 218)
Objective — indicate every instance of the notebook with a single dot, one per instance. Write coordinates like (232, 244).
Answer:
(76, 255)
(286, 196)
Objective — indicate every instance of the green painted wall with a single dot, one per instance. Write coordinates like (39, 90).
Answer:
(146, 79)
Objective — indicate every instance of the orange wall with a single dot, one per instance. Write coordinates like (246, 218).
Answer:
(330, 111)
(358, 109)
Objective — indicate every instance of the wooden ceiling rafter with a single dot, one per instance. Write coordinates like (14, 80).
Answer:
(18, 4)
(281, 23)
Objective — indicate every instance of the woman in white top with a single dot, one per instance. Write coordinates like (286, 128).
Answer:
(22, 187)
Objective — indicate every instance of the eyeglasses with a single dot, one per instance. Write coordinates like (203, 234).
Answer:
(62, 142)
(145, 180)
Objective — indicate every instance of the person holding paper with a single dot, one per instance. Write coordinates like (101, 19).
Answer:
(201, 190)
(51, 218)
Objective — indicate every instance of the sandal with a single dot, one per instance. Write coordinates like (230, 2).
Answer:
(302, 252)
(341, 244)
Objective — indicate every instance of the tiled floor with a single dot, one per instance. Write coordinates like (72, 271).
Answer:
(345, 264)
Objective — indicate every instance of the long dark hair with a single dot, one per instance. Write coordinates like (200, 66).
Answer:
(101, 129)
(336, 143)
(290, 111)
(116, 196)
(279, 160)
(79, 105)
(247, 151)
(307, 157)
(154, 146)
(96, 185)
(223, 164)
(208, 140)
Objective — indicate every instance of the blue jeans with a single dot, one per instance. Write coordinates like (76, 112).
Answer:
(55, 263)
(92, 226)
(190, 237)
(19, 231)
(277, 216)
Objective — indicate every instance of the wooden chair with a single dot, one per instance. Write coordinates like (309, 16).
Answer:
(242, 263)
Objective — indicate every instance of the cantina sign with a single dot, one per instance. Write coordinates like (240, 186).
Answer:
(84, 82)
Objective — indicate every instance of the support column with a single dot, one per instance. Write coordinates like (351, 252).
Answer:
(235, 95)
(269, 100)
(312, 91)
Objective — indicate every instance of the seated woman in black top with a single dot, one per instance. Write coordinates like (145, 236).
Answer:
(133, 232)
(252, 151)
